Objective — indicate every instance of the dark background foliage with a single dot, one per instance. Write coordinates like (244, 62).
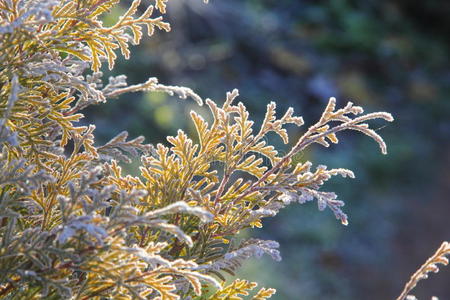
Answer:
(382, 55)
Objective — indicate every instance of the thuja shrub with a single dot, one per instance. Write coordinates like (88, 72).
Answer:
(73, 225)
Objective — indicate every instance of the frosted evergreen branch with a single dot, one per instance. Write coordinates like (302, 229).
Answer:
(74, 224)
(431, 265)
(152, 85)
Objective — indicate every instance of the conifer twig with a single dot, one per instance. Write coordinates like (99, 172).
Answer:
(431, 265)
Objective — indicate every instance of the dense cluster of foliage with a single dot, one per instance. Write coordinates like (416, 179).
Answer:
(74, 226)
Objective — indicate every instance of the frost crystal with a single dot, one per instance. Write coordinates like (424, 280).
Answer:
(86, 224)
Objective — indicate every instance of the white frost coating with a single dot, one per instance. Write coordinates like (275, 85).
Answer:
(258, 249)
(252, 248)
(115, 83)
(181, 206)
(262, 212)
(82, 223)
(288, 197)
(151, 259)
(305, 196)
(41, 11)
(152, 85)
(181, 91)
(29, 273)
(175, 230)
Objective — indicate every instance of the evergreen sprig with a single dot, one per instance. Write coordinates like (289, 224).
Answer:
(74, 226)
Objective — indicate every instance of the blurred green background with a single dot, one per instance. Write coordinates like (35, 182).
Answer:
(383, 55)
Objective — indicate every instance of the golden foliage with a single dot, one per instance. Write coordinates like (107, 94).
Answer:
(239, 288)
(73, 225)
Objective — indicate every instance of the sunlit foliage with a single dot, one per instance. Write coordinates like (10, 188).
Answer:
(74, 226)
(431, 265)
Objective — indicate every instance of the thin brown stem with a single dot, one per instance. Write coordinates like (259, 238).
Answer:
(221, 188)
